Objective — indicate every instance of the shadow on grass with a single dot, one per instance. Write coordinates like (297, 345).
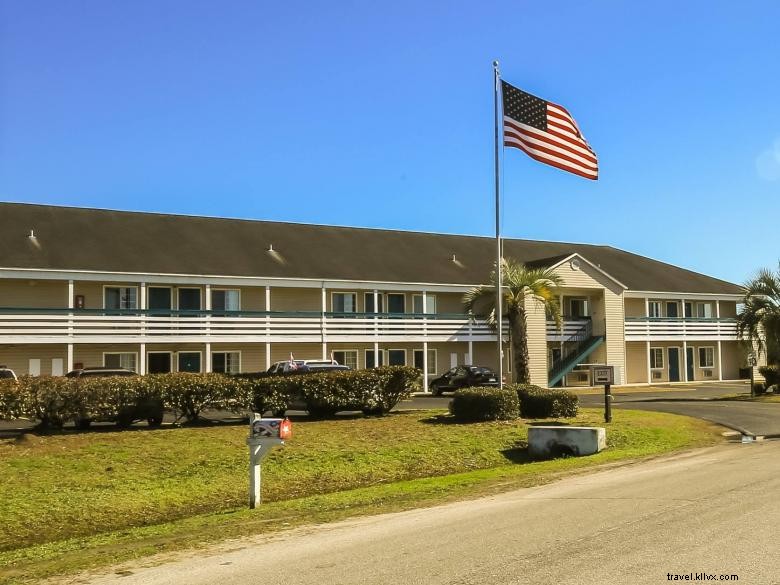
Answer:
(517, 453)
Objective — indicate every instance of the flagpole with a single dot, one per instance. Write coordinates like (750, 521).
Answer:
(499, 307)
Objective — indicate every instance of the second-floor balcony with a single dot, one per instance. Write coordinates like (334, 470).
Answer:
(19, 325)
(677, 329)
(154, 325)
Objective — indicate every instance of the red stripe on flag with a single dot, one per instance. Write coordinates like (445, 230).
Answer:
(555, 153)
(555, 140)
(552, 163)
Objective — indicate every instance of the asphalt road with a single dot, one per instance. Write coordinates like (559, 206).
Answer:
(711, 511)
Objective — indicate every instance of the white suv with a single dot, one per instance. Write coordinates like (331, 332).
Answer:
(7, 373)
(286, 366)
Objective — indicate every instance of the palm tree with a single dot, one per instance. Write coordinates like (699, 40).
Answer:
(759, 321)
(518, 283)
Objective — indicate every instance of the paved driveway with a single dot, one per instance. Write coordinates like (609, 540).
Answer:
(749, 418)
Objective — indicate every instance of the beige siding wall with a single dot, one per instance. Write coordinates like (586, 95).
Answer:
(252, 298)
(636, 362)
(296, 299)
(449, 303)
(732, 359)
(18, 357)
(38, 294)
(635, 307)
(728, 309)
(485, 354)
(537, 342)
(608, 315)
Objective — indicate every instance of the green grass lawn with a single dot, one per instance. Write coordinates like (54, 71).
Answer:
(71, 501)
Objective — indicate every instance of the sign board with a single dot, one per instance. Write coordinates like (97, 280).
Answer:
(602, 375)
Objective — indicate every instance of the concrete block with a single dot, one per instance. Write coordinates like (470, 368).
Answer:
(556, 441)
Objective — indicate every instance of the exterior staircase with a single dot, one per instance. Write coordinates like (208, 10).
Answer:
(574, 350)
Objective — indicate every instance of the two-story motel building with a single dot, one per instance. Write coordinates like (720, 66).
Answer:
(160, 293)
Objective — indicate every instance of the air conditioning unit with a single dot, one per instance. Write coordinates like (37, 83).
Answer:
(656, 375)
(707, 373)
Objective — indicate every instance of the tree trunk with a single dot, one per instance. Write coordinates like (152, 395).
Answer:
(518, 327)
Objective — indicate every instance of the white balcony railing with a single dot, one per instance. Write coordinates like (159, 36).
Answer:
(671, 329)
(570, 330)
(150, 326)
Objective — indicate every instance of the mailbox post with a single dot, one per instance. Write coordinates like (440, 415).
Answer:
(604, 375)
(264, 435)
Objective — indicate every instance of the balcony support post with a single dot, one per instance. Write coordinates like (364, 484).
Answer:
(376, 328)
(425, 365)
(71, 302)
(685, 362)
(142, 359)
(720, 352)
(144, 305)
(208, 311)
(324, 333)
(267, 327)
(207, 358)
(649, 371)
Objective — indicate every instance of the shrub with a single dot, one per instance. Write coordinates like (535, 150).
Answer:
(189, 394)
(538, 402)
(56, 400)
(482, 403)
(393, 384)
(51, 400)
(110, 398)
(270, 393)
(771, 374)
(11, 404)
(325, 393)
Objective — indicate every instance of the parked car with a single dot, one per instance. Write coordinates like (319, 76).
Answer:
(99, 372)
(303, 366)
(150, 410)
(463, 377)
(7, 373)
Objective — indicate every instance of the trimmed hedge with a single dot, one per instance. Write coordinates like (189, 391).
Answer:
(771, 374)
(538, 402)
(484, 403)
(56, 400)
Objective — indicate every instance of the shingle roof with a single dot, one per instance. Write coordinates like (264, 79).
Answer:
(70, 238)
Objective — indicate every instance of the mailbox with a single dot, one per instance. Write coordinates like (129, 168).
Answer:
(269, 428)
(264, 435)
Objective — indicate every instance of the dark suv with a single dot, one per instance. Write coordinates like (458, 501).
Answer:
(148, 409)
(463, 377)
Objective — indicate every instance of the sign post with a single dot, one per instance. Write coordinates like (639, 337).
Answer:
(752, 361)
(604, 375)
(264, 435)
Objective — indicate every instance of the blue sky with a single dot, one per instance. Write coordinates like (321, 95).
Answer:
(381, 115)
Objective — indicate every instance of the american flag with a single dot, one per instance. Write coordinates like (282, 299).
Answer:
(546, 132)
